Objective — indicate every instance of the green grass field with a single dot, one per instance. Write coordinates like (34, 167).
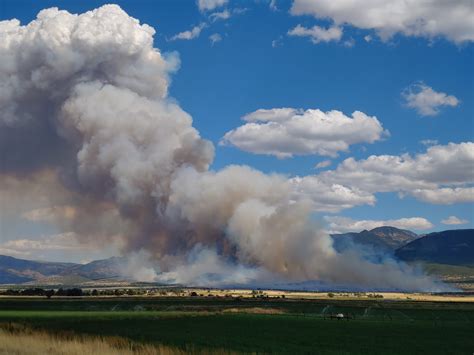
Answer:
(379, 327)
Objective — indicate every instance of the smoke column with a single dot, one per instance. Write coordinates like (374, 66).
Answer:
(83, 102)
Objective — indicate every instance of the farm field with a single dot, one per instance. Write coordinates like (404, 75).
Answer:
(256, 325)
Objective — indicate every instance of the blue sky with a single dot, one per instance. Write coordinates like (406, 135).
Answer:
(258, 65)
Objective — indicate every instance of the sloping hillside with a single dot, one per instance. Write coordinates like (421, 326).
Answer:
(394, 237)
(98, 269)
(14, 271)
(383, 239)
(453, 247)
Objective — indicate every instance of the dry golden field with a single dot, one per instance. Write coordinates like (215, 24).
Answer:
(18, 340)
(396, 296)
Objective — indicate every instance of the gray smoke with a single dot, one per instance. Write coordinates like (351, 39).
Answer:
(83, 100)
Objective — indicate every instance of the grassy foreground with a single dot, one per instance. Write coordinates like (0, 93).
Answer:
(20, 340)
(258, 326)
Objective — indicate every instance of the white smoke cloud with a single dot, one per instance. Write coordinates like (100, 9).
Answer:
(85, 98)
(139, 266)
(204, 267)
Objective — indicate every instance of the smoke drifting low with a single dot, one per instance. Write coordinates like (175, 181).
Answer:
(84, 98)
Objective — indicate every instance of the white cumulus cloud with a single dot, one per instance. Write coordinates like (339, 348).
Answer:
(446, 195)
(317, 34)
(429, 142)
(329, 197)
(214, 38)
(323, 164)
(337, 224)
(453, 220)
(284, 132)
(206, 5)
(426, 101)
(442, 175)
(190, 34)
(63, 241)
(428, 18)
(221, 15)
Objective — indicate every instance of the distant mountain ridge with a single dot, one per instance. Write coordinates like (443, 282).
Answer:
(383, 239)
(452, 247)
(16, 271)
(13, 270)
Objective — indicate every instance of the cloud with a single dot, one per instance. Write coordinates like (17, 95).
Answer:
(323, 164)
(226, 14)
(453, 220)
(274, 114)
(426, 101)
(445, 196)
(317, 34)
(214, 38)
(442, 175)
(207, 5)
(63, 242)
(284, 132)
(349, 43)
(428, 142)
(338, 224)
(277, 42)
(273, 5)
(50, 214)
(429, 19)
(329, 197)
(223, 15)
(191, 34)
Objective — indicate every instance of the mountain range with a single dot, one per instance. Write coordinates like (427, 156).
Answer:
(381, 239)
(16, 271)
(454, 247)
(450, 247)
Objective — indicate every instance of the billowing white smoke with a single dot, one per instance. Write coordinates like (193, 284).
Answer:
(84, 97)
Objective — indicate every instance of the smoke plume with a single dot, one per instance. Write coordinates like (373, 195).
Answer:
(83, 101)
